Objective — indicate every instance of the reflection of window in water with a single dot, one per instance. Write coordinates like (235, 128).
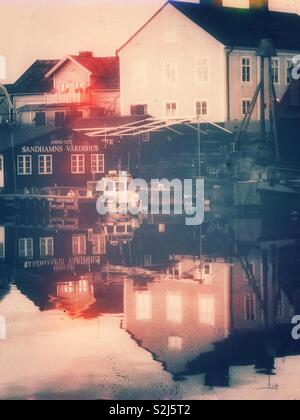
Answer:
(79, 245)
(68, 287)
(2, 242)
(174, 307)
(175, 343)
(207, 310)
(25, 247)
(46, 247)
(147, 260)
(207, 269)
(83, 286)
(121, 229)
(99, 246)
(143, 305)
(250, 307)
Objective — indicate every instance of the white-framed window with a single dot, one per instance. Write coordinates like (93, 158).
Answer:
(245, 106)
(25, 247)
(143, 306)
(47, 247)
(201, 108)
(170, 70)
(276, 71)
(175, 343)
(45, 164)
(139, 74)
(78, 164)
(246, 69)
(174, 307)
(83, 286)
(207, 310)
(288, 70)
(250, 307)
(97, 164)
(68, 287)
(79, 245)
(171, 109)
(64, 87)
(24, 164)
(2, 242)
(202, 70)
(79, 87)
(99, 244)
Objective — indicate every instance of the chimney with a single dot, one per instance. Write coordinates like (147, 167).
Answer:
(259, 4)
(86, 54)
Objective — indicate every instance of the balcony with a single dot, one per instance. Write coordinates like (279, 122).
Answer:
(66, 98)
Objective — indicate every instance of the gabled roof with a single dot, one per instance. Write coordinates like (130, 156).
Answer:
(33, 80)
(104, 71)
(241, 28)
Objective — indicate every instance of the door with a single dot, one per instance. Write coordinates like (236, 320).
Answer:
(1, 171)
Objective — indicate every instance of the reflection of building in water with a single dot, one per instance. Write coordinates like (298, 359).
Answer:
(176, 317)
(50, 249)
(183, 313)
(74, 296)
(88, 296)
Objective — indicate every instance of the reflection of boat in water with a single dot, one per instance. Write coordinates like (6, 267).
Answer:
(119, 228)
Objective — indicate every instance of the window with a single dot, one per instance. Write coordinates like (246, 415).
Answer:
(45, 165)
(246, 69)
(141, 109)
(145, 137)
(207, 269)
(170, 73)
(59, 119)
(174, 307)
(99, 246)
(40, 119)
(288, 69)
(201, 108)
(24, 165)
(2, 242)
(207, 309)
(79, 87)
(275, 71)
(175, 343)
(139, 74)
(64, 88)
(46, 247)
(245, 106)
(78, 164)
(79, 245)
(68, 287)
(171, 109)
(83, 286)
(147, 260)
(161, 228)
(97, 164)
(143, 306)
(250, 307)
(202, 70)
(26, 248)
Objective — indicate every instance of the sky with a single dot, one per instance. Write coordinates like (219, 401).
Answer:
(32, 29)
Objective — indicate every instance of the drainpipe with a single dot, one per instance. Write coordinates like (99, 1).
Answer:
(228, 51)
